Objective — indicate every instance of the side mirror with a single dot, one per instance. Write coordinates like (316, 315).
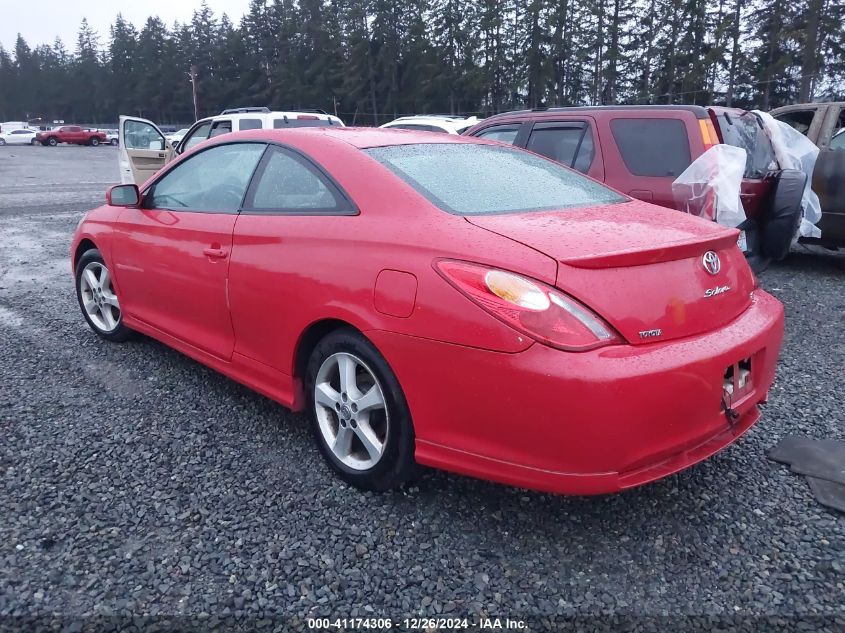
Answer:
(123, 196)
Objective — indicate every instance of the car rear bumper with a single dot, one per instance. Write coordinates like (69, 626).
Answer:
(583, 423)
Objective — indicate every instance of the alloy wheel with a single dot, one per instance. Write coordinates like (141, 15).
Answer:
(351, 411)
(98, 298)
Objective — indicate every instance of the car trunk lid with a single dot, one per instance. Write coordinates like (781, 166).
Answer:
(638, 266)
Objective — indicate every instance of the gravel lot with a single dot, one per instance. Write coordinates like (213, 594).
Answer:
(135, 481)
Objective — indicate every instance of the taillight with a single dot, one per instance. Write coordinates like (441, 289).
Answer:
(531, 307)
(708, 133)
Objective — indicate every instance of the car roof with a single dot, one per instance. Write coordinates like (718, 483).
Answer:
(359, 137)
(699, 111)
(435, 117)
(257, 114)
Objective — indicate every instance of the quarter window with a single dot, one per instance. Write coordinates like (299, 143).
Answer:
(286, 182)
(212, 180)
(652, 147)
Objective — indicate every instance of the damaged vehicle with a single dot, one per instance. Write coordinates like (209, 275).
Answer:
(528, 325)
(824, 125)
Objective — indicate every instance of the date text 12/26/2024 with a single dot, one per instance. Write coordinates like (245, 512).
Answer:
(416, 624)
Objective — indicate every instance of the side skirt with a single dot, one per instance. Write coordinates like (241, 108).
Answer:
(259, 377)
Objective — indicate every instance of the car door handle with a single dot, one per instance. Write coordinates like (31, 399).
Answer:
(217, 253)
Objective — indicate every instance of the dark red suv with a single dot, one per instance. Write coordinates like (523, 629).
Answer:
(640, 150)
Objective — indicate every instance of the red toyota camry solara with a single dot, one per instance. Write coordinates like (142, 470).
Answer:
(438, 300)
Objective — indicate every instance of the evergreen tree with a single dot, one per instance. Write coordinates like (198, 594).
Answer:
(371, 60)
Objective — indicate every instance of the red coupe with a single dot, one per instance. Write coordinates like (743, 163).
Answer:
(438, 300)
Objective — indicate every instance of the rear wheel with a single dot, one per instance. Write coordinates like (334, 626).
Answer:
(359, 414)
(97, 298)
(113, 141)
(94, 141)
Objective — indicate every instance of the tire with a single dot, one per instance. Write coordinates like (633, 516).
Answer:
(390, 461)
(2, 142)
(52, 141)
(103, 312)
(94, 141)
(33, 142)
(113, 141)
(783, 216)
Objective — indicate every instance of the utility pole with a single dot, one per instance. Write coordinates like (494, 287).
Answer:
(193, 75)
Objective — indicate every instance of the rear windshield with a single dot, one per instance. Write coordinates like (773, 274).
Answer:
(283, 123)
(468, 179)
(745, 130)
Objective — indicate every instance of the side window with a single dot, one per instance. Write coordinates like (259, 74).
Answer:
(213, 180)
(21, 132)
(801, 120)
(197, 136)
(249, 124)
(652, 147)
(837, 141)
(501, 133)
(218, 128)
(287, 182)
(570, 145)
(140, 135)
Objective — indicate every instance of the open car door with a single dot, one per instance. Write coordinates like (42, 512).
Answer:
(143, 150)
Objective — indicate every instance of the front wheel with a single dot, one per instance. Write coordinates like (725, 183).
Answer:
(97, 298)
(52, 141)
(360, 417)
(2, 142)
(113, 141)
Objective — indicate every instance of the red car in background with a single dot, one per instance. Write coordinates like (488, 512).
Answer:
(72, 134)
(526, 325)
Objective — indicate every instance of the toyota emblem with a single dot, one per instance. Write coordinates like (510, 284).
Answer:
(711, 262)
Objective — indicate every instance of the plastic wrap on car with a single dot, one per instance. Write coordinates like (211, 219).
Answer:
(795, 151)
(710, 186)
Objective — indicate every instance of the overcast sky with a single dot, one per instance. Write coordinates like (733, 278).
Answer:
(40, 21)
